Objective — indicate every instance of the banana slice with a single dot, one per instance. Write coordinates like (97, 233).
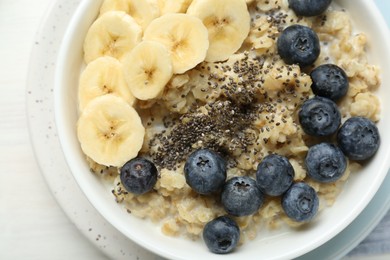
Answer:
(113, 34)
(173, 6)
(228, 24)
(147, 69)
(103, 76)
(185, 37)
(143, 11)
(110, 131)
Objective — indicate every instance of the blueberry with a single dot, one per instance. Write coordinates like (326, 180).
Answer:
(221, 235)
(309, 7)
(300, 202)
(205, 171)
(274, 174)
(241, 196)
(359, 138)
(138, 175)
(298, 44)
(325, 162)
(319, 116)
(329, 81)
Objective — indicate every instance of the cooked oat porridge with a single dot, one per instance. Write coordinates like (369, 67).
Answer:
(167, 79)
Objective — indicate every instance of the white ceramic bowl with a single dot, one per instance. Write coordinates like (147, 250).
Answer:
(284, 244)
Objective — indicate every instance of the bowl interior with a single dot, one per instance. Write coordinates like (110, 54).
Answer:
(358, 191)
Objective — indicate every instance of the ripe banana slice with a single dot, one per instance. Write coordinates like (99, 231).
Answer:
(173, 6)
(143, 11)
(228, 24)
(103, 76)
(185, 37)
(147, 69)
(110, 131)
(113, 34)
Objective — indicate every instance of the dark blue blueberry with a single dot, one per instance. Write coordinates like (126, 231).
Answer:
(274, 175)
(300, 202)
(329, 81)
(325, 162)
(319, 116)
(205, 171)
(138, 175)
(359, 138)
(298, 44)
(221, 235)
(309, 7)
(241, 196)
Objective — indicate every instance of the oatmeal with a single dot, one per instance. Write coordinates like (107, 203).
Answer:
(244, 107)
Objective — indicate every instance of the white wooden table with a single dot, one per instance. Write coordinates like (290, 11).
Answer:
(32, 224)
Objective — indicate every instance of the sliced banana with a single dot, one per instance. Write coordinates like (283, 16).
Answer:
(228, 24)
(173, 6)
(113, 34)
(147, 69)
(185, 37)
(110, 131)
(103, 76)
(143, 11)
